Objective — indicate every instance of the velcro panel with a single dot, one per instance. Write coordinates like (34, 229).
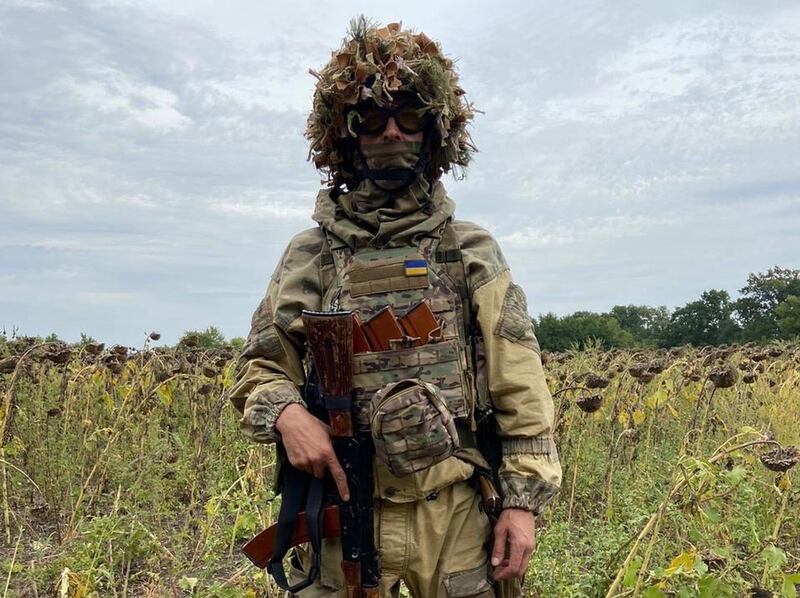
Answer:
(383, 276)
(388, 285)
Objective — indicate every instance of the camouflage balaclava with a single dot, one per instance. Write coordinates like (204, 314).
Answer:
(374, 64)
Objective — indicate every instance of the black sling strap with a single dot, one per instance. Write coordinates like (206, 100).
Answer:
(297, 486)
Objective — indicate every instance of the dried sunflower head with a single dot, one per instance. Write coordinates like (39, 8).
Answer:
(8, 364)
(94, 348)
(595, 381)
(657, 367)
(372, 66)
(58, 353)
(749, 377)
(589, 403)
(781, 459)
(724, 377)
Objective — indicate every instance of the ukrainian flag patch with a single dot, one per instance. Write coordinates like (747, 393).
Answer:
(416, 268)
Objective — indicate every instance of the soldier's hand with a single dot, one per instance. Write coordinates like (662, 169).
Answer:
(308, 445)
(516, 531)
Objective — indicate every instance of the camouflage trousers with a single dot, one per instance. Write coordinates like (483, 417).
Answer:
(438, 548)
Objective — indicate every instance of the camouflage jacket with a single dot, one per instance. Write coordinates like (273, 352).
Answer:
(271, 368)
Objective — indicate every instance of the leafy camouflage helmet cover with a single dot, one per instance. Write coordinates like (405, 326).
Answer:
(373, 64)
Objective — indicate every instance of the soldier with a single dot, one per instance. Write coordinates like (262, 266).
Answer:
(388, 119)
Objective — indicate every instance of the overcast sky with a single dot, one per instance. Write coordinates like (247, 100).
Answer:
(152, 163)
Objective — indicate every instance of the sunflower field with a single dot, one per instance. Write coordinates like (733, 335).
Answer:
(123, 473)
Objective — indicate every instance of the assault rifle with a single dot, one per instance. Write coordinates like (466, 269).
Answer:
(330, 338)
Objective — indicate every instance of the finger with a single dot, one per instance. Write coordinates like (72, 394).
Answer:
(515, 555)
(502, 572)
(339, 477)
(499, 548)
(318, 470)
(526, 558)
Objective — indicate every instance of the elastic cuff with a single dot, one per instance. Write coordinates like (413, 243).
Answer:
(530, 494)
(259, 418)
(542, 446)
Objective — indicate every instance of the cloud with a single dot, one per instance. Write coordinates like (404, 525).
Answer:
(112, 91)
(154, 165)
(582, 230)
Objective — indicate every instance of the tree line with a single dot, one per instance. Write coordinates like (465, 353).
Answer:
(767, 309)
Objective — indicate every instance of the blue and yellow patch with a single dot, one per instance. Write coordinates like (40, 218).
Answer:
(416, 268)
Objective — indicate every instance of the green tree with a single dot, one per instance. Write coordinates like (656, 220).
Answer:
(237, 342)
(210, 338)
(708, 321)
(788, 313)
(579, 328)
(761, 296)
(647, 325)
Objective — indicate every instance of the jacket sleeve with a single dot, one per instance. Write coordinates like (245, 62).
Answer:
(530, 472)
(270, 369)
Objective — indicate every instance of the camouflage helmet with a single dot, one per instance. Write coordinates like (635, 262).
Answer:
(372, 65)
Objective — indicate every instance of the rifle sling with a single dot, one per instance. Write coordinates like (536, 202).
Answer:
(342, 403)
(297, 484)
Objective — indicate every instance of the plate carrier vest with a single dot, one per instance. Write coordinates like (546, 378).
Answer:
(368, 279)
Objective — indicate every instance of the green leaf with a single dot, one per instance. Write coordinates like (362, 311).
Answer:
(8, 567)
(711, 587)
(774, 557)
(712, 512)
(789, 589)
(736, 475)
(653, 592)
(630, 574)
(700, 566)
(188, 583)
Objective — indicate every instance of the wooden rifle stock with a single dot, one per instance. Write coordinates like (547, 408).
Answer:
(330, 338)
(260, 549)
(492, 503)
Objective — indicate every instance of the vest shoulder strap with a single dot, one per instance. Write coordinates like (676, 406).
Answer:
(327, 262)
(448, 254)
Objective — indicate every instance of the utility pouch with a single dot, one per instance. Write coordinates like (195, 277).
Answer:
(412, 428)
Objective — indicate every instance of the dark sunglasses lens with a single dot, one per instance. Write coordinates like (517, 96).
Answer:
(410, 119)
(373, 121)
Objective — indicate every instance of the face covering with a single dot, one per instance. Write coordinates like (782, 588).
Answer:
(399, 156)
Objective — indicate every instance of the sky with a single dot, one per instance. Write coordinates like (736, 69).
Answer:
(153, 165)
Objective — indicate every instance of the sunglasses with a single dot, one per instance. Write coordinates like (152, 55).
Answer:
(410, 119)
